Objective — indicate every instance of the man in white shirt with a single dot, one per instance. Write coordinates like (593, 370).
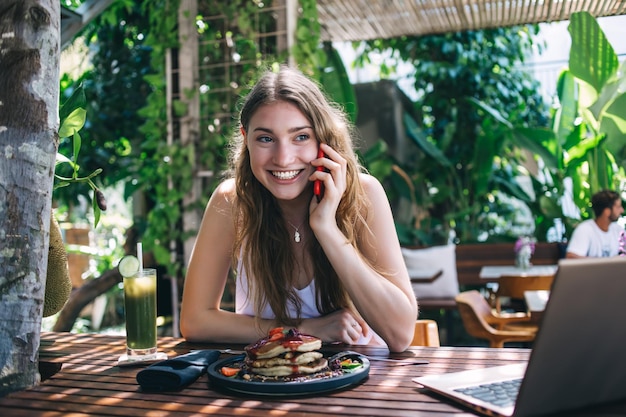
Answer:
(599, 237)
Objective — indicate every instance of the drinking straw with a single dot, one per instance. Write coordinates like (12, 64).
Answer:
(140, 257)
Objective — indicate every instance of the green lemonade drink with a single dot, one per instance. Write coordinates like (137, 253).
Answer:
(141, 311)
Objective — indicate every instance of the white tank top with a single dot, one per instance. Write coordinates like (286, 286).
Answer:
(245, 305)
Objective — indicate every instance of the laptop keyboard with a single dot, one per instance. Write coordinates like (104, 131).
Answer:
(502, 394)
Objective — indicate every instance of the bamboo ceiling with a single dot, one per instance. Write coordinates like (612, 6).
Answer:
(354, 20)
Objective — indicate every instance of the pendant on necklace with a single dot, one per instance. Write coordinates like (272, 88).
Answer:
(296, 233)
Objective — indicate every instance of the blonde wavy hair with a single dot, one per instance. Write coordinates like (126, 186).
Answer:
(262, 240)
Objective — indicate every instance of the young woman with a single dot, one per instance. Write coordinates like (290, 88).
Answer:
(332, 267)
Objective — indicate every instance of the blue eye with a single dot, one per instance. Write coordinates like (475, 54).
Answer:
(264, 139)
(302, 137)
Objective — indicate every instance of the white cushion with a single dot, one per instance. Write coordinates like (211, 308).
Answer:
(434, 258)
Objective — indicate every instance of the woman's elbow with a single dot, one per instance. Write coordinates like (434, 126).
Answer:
(190, 330)
(402, 337)
(400, 342)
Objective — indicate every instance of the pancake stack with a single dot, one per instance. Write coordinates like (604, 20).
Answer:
(285, 353)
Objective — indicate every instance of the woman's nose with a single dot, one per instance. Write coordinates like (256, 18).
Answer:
(284, 155)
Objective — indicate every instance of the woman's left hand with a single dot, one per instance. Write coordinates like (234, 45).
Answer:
(339, 326)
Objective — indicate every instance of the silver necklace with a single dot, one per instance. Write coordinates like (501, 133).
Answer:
(296, 234)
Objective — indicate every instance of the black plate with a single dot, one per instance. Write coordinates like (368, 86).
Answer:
(280, 388)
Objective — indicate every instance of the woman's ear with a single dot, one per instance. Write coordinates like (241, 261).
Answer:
(243, 132)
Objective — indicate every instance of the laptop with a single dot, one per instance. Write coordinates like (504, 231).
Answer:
(578, 357)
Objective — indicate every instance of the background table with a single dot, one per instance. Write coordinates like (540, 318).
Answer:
(90, 383)
(496, 271)
(536, 302)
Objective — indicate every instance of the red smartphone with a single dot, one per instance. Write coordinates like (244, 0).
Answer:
(317, 184)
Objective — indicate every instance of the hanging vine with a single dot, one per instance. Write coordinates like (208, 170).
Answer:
(161, 163)
(311, 59)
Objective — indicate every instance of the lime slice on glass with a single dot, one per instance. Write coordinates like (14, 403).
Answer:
(128, 266)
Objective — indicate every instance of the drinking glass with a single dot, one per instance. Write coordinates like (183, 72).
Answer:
(141, 313)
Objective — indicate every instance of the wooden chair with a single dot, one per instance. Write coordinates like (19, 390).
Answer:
(426, 333)
(513, 286)
(481, 322)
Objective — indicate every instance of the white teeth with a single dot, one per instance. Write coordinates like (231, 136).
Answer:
(285, 175)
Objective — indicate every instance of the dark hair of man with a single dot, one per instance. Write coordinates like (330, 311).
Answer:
(602, 200)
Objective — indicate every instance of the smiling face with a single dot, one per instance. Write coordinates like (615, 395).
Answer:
(282, 144)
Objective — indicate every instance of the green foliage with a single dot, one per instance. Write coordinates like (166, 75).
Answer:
(335, 81)
(162, 164)
(321, 61)
(461, 166)
(115, 89)
(72, 116)
(306, 52)
(125, 131)
(586, 141)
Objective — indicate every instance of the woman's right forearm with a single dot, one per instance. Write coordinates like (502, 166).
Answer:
(219, 326)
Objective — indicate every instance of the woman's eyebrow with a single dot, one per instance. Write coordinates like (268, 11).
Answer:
(295, 129)
(262, 129)
(290, 130)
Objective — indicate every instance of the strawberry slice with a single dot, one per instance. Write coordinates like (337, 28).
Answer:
(275, 336)
(228, 371)
(276, 330)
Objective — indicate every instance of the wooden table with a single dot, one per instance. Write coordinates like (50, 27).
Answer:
(90, 383)
(492, 273)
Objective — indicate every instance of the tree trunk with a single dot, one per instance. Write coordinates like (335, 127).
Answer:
(29, 122)
(82, 296)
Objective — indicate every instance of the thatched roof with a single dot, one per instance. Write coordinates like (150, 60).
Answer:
(354, 20)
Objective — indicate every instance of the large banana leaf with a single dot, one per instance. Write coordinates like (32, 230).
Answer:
(612, 91)
(336, 82)
(566, 113)
(580, 151)
(487, 148)
(614, 129)
(511, 188)
(416, 134)
(617, 112)
(539, 141)
(613, 121)
(592, 58)
(493, 112)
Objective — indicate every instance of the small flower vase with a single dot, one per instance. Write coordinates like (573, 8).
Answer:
(523, 257)
(524, 249)
(522, 261)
